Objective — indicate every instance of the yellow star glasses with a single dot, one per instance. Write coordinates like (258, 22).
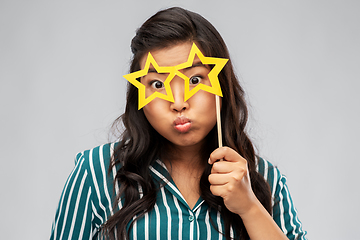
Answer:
(173, 71)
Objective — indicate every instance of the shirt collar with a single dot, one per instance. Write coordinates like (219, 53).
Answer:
(160, 173)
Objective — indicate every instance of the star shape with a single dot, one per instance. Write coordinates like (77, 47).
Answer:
(132, 78)
(218, 63)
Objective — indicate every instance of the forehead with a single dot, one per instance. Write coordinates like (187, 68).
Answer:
(170, 56)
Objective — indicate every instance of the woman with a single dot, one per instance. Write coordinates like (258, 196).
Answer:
(163, 180)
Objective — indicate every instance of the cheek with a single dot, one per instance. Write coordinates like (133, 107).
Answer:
(204, 101)
(155, 109)
(205, 106)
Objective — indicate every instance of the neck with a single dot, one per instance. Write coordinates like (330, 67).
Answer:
(188, 158)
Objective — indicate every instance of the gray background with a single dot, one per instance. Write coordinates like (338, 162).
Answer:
(61, 87)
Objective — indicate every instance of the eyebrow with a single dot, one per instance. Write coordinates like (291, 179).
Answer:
(195, 64)
(198, 64)
(153, 70)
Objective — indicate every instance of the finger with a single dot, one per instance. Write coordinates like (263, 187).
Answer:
(216, 190)
(223, 167)
(218, 179)
(225, 153)
(221, 190)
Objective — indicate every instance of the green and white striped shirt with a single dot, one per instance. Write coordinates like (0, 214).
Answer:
(87, 202)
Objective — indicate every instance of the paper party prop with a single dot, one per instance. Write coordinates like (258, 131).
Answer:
(218, 63)
(132, 78)
(173, 71)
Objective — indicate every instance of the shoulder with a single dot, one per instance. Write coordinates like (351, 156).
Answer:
(100, 177)
(270, 173)
(284, 211)
(86, 200)
(97, 154)
(96, 160)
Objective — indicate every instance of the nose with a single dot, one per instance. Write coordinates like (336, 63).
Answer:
(177, 88)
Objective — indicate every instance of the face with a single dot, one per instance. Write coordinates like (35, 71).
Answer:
(182, 123)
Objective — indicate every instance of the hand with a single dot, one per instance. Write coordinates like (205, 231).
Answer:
(230, 180)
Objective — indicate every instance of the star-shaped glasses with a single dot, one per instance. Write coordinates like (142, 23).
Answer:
(173, 71)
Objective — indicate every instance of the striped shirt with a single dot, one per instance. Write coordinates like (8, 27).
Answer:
(87, 202)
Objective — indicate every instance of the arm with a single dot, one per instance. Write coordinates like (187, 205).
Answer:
(74, 213)
(230, 180)
(284, 211)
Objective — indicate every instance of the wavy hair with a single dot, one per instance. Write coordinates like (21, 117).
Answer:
(140, 144)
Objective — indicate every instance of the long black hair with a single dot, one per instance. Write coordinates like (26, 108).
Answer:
(140, 144)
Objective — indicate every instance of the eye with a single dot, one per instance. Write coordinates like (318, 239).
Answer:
(157, 84)
(195, 80)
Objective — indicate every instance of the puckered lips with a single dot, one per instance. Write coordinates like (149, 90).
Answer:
(182, 124)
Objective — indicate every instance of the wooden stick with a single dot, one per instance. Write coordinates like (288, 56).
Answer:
(218, 119)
